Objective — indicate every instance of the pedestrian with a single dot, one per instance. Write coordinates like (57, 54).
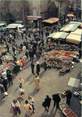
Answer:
(37, 68)
(68, 95)
(21, 90)
(21, 96)
(31, 101)
(10, 77)
(21, 81)
(2, 90)
(56, 98)
(37, 83)
(45, 65)
(32, 67)
(15, 108)
(5, 81)
(27, 54)
(46, 103)
(28, 109)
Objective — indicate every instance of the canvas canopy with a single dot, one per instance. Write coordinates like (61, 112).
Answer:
(58, 35)
(75, 22)
(2, 24)
(33, 17)
(77, 31)
(70, 27)
(70, 15)
(12, 26)
(51, 20)
(73, 38)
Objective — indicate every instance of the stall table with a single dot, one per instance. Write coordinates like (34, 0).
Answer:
(67, 111)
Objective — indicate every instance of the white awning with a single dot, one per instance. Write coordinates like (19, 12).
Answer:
(73, 38)
(77, 31)
(12, 26)
(2, 24)
(58, 35)
(70, 27)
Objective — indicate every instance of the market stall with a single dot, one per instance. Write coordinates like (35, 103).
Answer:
(70, 27)
(58, 35)
(51, 20)
(73, 38)
(51, 23)
(78, 31)
(34, 20)
(74, 82)
(60, 59)
(67, 111)
(71, 16)
(33, 17)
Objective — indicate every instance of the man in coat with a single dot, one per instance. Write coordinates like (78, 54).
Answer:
(32, 67)
(68, 94)
(56, 99)
(46, 103)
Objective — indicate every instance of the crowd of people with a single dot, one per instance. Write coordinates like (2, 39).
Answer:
(32, 46)
(28, 105)
(56, 98)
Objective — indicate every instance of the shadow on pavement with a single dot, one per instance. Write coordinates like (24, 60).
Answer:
(34, 92)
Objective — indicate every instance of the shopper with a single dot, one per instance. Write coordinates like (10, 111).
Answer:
(68, 94)
(46, 103)
(32, 67)
(15, 108)
(37, 68)
(28, 109)
(37, 83)
(56, 98)
(32, 102)
(10, 77)
(45, 65)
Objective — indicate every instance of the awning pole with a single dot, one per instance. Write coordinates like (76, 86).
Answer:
(81, 9)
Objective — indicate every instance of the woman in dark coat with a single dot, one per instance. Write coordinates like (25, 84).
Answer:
(46, 103)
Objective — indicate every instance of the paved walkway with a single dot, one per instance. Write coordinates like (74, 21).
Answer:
(50, 83)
